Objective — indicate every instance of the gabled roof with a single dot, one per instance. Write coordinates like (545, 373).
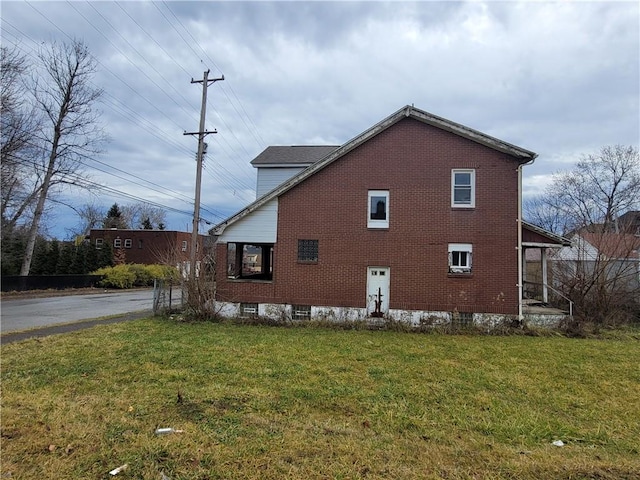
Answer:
(292, 155)
(519, 154)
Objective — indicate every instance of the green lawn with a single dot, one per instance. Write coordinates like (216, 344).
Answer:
(270, 403)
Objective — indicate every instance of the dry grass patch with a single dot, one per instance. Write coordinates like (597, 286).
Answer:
(270, 403)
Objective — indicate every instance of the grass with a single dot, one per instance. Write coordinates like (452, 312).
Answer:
(268, 403)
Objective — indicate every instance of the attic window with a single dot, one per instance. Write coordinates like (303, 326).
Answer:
(378, 210)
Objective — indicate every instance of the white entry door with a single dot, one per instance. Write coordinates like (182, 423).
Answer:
(377, 290)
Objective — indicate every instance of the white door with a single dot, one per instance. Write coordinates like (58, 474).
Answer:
(377, 290)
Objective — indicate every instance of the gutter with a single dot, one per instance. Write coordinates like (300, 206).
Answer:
(519, 245)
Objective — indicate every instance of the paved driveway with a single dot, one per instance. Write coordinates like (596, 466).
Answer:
(34, 313)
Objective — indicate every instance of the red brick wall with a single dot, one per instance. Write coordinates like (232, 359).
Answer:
(155, 244)
(413, 161)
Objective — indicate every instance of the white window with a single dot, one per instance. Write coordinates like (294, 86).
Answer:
(460, 257)
(127, 243)
(378, 210)
(184, 245)
(99, 242)
(463, 188)
(117, 243)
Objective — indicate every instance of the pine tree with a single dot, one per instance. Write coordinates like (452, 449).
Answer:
(114, 218)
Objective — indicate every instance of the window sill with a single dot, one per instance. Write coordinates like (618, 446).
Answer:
(460, 275)
(307, 262)
(248, 280)
(463, 207)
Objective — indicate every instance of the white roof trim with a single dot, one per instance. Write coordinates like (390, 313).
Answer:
(523, 156)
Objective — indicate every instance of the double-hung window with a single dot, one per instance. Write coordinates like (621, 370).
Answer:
(463, 188)
(460, 257)
(378, 210)
(117, 243)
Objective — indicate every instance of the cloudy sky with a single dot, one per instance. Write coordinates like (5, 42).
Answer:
(559, 78)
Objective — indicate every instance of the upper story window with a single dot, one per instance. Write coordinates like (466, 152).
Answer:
(460, 257)
(127, 243)
(378, 212)
(117, 243)
(99, 242)
(463, 188)
(184, 245)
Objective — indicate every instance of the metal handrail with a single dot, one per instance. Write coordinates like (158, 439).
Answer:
(557, 292)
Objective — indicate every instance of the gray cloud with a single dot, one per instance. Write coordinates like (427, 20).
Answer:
(560, 79)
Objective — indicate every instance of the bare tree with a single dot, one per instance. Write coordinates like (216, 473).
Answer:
(136, 214)
(599, 272)
(90, 216)
(602, 187)
(19, 121)
(66, 96)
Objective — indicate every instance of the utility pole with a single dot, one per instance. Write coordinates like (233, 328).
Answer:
(201, 134)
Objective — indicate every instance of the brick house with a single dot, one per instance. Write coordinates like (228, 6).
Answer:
(149, 247)
(415, 217)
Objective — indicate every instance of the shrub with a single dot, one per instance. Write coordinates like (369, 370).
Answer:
(130, 275)
(120, 276)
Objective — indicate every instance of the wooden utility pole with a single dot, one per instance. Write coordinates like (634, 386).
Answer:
(201, 134)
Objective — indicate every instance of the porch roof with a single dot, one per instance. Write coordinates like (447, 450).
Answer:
(534, 236)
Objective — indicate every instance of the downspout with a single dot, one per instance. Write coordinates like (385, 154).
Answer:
(519, 246)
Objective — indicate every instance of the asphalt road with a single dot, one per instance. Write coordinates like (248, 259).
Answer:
(44, 314)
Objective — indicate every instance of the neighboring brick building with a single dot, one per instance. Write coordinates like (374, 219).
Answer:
(417, 215)
(149, 247)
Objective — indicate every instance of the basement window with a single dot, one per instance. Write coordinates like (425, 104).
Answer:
(461, 319)
(301, 312)
(248, 310)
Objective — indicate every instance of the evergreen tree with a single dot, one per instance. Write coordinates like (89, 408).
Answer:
(52, 258)
(114, 218)
(40, 260)
(105, 256)
(64, 261)
(91, 258)
(78, 266)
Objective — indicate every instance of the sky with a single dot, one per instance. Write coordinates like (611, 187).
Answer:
(559, 78)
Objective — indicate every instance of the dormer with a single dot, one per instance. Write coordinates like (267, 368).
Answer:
(277, 164)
